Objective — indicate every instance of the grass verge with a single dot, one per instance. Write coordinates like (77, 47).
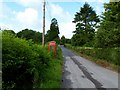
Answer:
(54, 74)
(102, 62)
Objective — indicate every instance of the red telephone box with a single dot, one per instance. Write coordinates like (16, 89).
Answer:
(52, 46)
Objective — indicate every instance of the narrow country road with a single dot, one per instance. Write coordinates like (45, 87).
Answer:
(81, 73)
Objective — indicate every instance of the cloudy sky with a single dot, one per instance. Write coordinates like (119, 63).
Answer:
(20, 14)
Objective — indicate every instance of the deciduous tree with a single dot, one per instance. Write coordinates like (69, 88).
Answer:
(30, 34)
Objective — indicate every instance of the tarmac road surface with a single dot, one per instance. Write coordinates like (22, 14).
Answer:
(82, 73)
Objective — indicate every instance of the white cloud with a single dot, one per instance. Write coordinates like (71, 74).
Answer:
(4, 26)
(66, 29)
(58, 12)
(29, 16)
(19, 20)
(101, 1)
(25, 2)
(28, 3)
(99, 8)
(4, 10)
(25, 19)
(1, 1)
(1, 10)
(88, 0)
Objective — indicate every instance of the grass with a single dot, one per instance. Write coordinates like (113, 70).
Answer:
(54, 74)
(101, 62)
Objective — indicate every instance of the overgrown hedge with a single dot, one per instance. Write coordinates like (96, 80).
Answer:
(111, 55)
(24, 64)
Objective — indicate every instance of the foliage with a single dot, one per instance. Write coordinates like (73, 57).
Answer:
(78, 40)
(16, 56)
(108, 35)
(9, 31)
(30, 34)
(86, 22)
(52, 34)
(68, 41)
(63, 40)
(110, 55)
(25, 65)
(54, 74)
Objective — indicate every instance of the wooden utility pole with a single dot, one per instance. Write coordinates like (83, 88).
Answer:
(43, 38)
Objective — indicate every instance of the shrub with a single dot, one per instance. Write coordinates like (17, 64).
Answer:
(24, 64)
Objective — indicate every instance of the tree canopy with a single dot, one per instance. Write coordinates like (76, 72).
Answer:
(53, 33)
(86, 22)
(108, 35)
(30, 34)
(63, 40)
(9, 31)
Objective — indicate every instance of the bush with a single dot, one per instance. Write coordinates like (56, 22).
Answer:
(24, 64)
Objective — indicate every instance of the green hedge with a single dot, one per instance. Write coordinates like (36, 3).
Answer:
(111, 55)
(24, 64)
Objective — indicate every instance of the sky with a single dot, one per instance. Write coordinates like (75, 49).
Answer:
(17, 15)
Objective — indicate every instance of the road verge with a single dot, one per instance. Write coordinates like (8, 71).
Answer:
(98, 56)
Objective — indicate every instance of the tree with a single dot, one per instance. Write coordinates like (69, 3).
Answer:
(30, 34)
(86, 22)
(53, 33)
(108, 35)
(9, 31)
(78, 40)
(63, 40)
(68, 41)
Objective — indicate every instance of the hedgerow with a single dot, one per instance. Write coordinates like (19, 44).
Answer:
(24, 64)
